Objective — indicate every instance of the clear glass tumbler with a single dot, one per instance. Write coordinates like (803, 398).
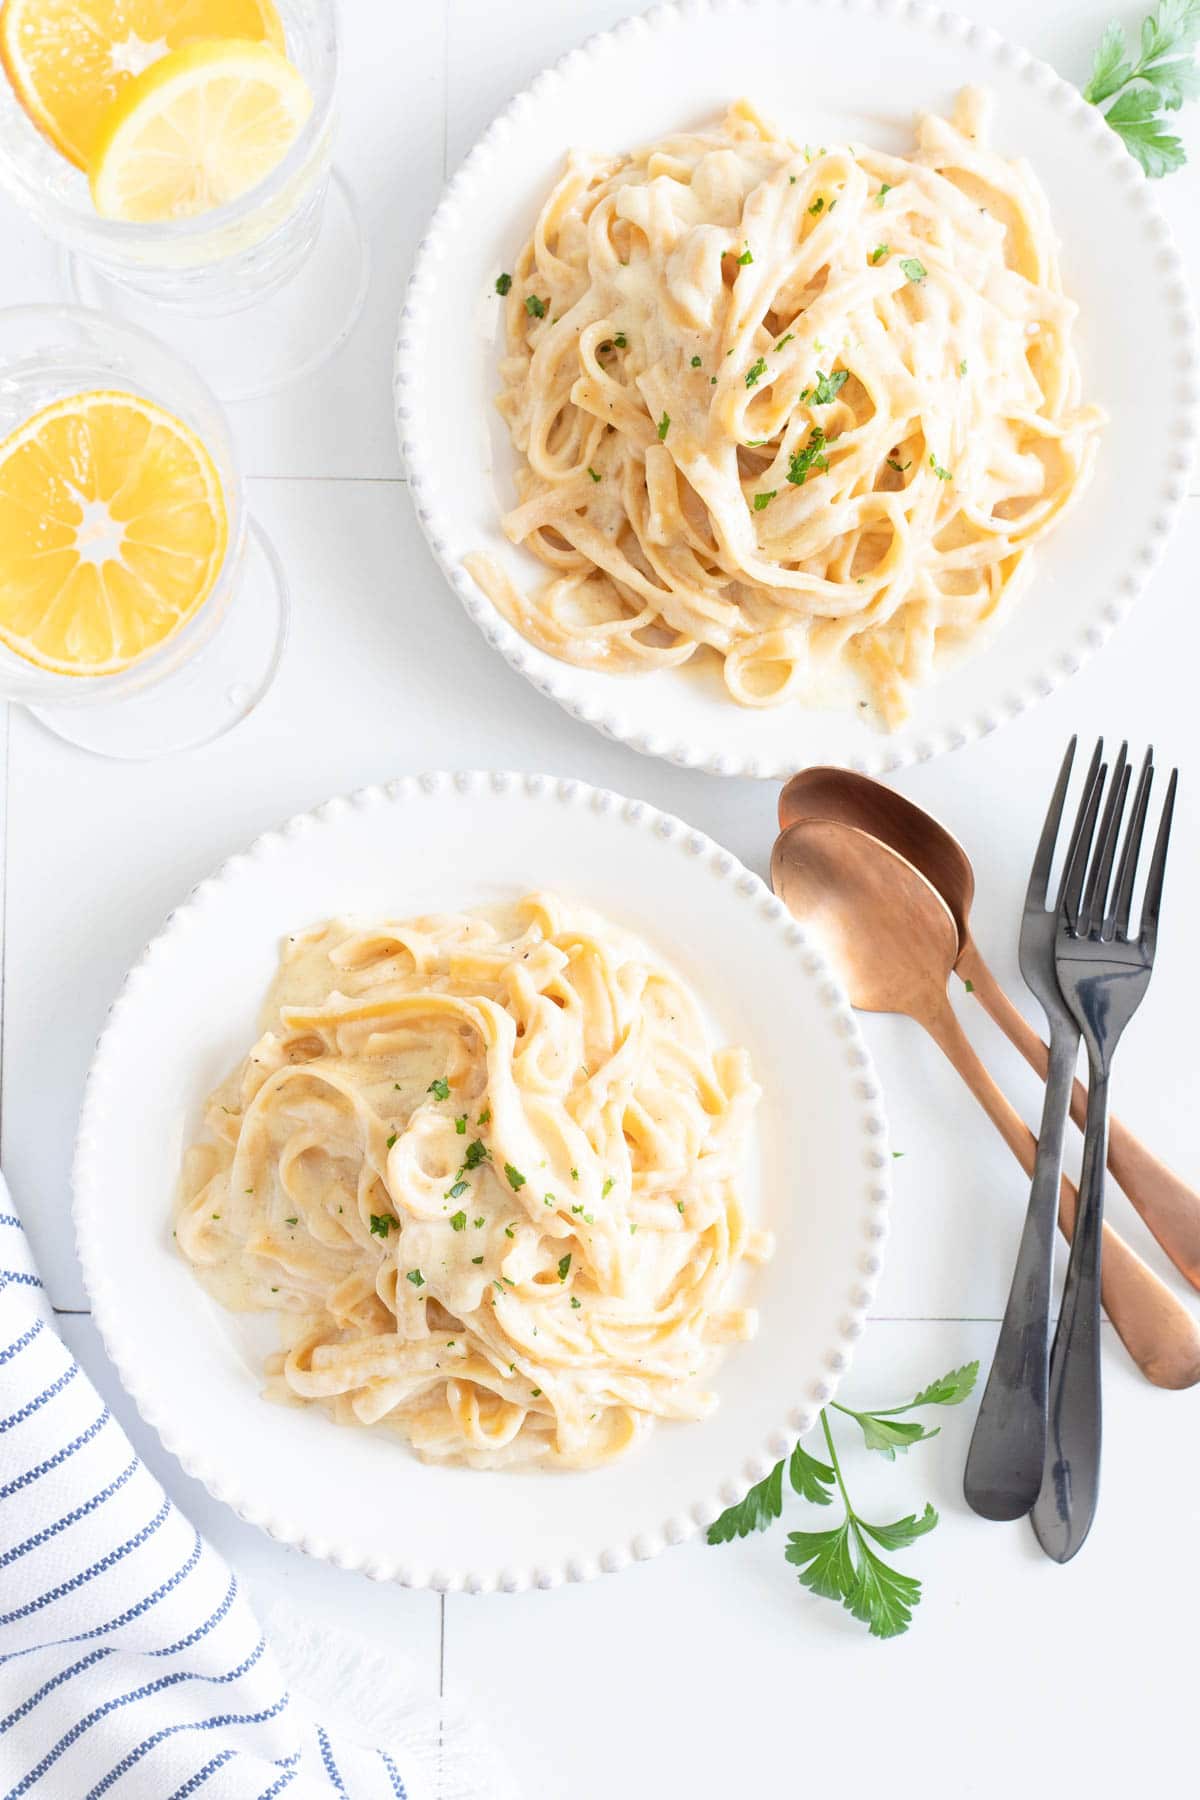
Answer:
(289, 257)
(212, 671)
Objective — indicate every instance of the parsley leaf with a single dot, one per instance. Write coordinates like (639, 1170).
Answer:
(818, 206)
(381, 1224)
(439, 1089)
(802, 462)
(745, 258)
(810, 1478)
(935, 465)
(695, 362)
(948, 1390)
(503, 283)
(459, 1221)
(1162, 74)
(664, 425)
(416, 1277)
(762, 1505)
(762, 501)
(564, 1266)
(460, 1124)
(900, 468)
(829, 387)
(879, 252)
(913, 268)
(534, 307)
(515, 1178)
(785, 339)
(476, 1152)
(754, 371)
(884, 191)
(840, 1563)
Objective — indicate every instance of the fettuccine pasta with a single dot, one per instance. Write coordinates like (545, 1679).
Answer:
(485, 1167)
(808, 407)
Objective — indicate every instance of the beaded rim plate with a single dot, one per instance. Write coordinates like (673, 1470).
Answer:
(680, 65)
(818, 1174)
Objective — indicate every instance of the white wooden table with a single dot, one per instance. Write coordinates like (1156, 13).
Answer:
(708, 1672)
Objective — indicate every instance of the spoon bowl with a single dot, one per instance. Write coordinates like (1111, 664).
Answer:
(828, 793)
(893, 937)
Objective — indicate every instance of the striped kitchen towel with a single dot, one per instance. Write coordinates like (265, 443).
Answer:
(130, 1663)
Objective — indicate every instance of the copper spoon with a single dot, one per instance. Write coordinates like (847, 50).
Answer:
(1170, 1208)
(895, 943)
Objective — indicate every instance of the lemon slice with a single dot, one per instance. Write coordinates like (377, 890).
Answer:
(196, 129)
(113, 530)
(69, 60)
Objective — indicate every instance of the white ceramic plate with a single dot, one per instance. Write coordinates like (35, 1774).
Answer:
(818, 1175)
(878, 63)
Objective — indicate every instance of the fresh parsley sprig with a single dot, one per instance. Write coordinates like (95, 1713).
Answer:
(841, 1563)
(1145, 85)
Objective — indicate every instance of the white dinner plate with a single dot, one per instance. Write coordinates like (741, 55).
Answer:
(817, 1175)
(825, 70)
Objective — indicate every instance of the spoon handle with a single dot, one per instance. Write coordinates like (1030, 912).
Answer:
(1155, 1327)
(1170, 1208)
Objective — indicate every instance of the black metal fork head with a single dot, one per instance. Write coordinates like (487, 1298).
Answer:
(1094, 905)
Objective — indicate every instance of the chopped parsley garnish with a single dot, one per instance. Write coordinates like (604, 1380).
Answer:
(515, 1178)
(416, 1277)
(577, 1209)
(460, 1125)
(294, 1220)
(564, 1266)
(664, 425)
(935, 465)
(574, 1174)
(485, 1117)
(745, 258)
(962, 367)
(812, 456)
(829, 387)
(477, 1260)
(594, 477)
(439, 1089)
(479, 1223)
(459, 1221)
(534, 307)
(392, 1139)
(381, 1224)
(679, 1206)
(913, 267)
(762, 501)
(476, 1151)
(458, 1189)
(818, 206)
(754, 371)
(620, 340)
(695, 362)
(785, 339)
(550, 1200)
(900, 468)
(880, 251)
(607, 1188)
(536, 1392)
(575, 1303)
(508, 1231)
(503, 283)
(883, 193)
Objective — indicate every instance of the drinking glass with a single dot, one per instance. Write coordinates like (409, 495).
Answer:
(288, 257)
(213, 670)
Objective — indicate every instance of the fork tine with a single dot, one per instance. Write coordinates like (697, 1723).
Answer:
(1038, 890)
(1095, 898)
(1158, 863)
(1117, 922)
(1081, 844)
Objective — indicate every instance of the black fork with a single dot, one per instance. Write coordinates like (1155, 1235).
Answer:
(1103, 973)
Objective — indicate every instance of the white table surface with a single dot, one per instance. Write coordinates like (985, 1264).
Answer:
(1017, 1675)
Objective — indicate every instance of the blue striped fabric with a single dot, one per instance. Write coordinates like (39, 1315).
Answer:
(130, 1665)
